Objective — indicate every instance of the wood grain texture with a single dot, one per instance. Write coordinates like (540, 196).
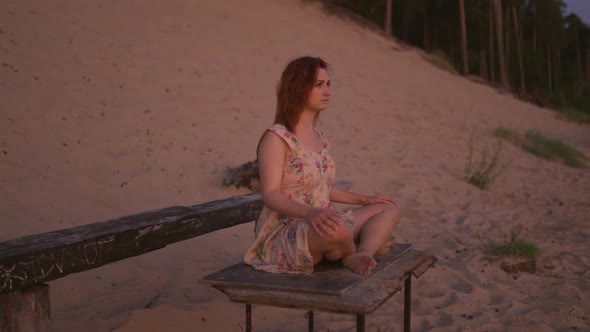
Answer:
(39, 258)
(330, 278)
(363, 298)
(26, 310)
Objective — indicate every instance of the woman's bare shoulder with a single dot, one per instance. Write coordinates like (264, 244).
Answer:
(272, 141)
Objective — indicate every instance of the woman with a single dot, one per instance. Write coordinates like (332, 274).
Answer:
(298, 226)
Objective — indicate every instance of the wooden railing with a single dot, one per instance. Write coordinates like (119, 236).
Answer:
(27, 262)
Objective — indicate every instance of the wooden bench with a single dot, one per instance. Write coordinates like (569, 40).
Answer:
(27, 263)
(330, 288)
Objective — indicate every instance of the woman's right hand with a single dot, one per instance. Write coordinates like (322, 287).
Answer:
(323, 221)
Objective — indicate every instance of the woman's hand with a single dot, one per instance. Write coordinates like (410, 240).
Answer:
(323, 221)
(379, 199)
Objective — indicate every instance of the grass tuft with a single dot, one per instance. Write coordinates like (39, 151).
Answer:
(483, 171)
(574, 116)
(514, 248)
(440, 59)
(507, 134)
(551, 149)
(512, 245)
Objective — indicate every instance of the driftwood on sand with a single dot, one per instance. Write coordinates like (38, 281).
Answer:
(245, 175)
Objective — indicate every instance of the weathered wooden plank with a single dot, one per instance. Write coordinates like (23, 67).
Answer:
(328, 278)
(364, 298)
(422, 268)
(26, 310)
(38, 258)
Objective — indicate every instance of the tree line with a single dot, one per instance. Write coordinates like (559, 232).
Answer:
(528, 46)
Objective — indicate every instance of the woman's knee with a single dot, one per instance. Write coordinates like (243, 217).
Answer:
(342, 235)
(341, 251)
(334, 246)
(391, 211)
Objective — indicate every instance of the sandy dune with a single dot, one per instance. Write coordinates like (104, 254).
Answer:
(116, 107)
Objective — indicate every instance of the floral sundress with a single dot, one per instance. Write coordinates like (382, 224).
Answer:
(308, 177)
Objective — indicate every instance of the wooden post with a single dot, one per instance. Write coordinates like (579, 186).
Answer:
(26, 310)
(408, 304)
(360, 322)
(248, 317)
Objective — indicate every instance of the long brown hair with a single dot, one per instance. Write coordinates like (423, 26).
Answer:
(293, 89)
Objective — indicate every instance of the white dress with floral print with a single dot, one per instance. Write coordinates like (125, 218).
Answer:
(281, 241)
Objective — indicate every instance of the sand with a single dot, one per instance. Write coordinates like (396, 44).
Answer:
(115, 107)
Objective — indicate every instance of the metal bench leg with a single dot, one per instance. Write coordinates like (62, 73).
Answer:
(310, 321)
(248, 317)
(407, 303)
(360, 323)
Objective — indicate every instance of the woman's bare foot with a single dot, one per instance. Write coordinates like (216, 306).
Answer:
(359, 263)
(385, 248)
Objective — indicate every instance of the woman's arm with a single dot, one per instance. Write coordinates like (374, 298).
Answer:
(271, 157)
(347, 197)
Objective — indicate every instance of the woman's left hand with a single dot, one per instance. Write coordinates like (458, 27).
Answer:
(379, 199)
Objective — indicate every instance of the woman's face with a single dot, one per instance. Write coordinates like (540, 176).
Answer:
(319, 97)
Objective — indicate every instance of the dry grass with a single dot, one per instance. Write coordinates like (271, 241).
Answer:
(440, 59)
(482, 170)
(541, 146)
(511, 245)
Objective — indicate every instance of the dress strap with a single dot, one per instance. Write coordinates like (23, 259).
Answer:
(286, 135)
(323, 138)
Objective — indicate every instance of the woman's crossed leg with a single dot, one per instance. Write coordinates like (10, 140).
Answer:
(356, 247)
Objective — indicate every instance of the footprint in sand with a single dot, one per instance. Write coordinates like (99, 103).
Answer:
(444, 320)
(434, 304)
(496, 299)
(461, 286)
(394, 186)
(426, 325)
(460, 220)
(434, 323)
(431, 291)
